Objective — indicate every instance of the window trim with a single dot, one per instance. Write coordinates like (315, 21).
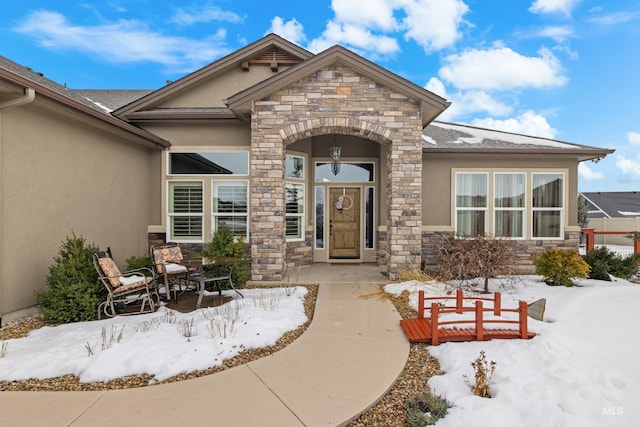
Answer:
(214, 183)
(561, 209)
(485, 209)
(169, 215)
(522, 209)
(528, 220)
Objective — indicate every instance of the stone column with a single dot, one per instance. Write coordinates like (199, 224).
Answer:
(268, 245)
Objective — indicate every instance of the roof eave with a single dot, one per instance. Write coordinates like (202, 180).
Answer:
(582, 153)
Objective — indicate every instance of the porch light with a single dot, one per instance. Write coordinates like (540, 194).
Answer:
(334, 153)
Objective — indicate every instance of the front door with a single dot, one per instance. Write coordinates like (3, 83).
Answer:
(344, 222)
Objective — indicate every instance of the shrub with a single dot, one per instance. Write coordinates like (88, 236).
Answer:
(135, 262)
(225, 244)
(558, 267)
(74, 292)
(425, 409)
(605, 263)
(467, 259)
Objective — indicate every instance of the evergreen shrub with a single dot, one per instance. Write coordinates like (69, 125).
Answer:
(558, 267)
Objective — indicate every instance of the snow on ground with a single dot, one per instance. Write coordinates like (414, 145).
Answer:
(164, 343)
(582, 369)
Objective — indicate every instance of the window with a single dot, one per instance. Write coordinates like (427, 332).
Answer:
(229, 206)
(524, 204)
(294, 197)
(471, 203)
(509, 204)
(349, 172)
(294, 211)
(369, 234)
(547, 205)
(209, 163)
(319, 218)
(185, 211)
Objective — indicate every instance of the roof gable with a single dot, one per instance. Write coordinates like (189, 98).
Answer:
(613, 204)
(431, 105)
(271, 49)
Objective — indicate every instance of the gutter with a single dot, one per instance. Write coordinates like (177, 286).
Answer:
(29, 95)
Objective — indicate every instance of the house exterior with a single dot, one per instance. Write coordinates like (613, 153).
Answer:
(248, 141)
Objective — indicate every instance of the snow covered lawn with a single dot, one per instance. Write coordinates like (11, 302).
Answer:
(164, 343)
(582, 369)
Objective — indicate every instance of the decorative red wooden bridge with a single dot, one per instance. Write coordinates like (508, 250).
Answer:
(430, 330)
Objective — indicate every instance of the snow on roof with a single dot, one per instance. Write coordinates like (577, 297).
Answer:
(440, 134)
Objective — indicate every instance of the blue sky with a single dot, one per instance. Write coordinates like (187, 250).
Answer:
(563, 69)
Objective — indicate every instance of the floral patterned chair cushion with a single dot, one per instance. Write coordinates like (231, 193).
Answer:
(111, 270)
(166, 255)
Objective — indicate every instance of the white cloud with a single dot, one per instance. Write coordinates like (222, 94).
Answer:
(500, 68)
(614, 18)
(553, 6)
(528, 123)
(634, 138)
(436, 86)
(291, 30)
(129, 41)
(587, 173)
(372, 28)
(376, 14)
(434, 24)
(629, 168)
(208, 13)
(355, 37)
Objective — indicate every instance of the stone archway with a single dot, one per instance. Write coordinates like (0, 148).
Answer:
(329, 101)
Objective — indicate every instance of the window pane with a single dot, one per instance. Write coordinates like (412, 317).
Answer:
(320, 217)
(509, 190)
(471, 190)
(237, 224)
(349, 172)
(369, 225)
(294, 227)
(209, 163)
(470, 223)
(186, 227)
(294, 198)
(547, 190)
(230, 197)
(546, 224)
(509, 224)
(294, 166)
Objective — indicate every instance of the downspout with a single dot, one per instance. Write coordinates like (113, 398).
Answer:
(29, 96)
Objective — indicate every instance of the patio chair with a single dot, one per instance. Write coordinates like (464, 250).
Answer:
(167, 262)
(129, 288)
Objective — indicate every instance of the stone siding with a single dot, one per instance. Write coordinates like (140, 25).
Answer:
(335, 100)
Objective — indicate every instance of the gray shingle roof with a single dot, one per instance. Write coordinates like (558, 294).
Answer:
(112, 99)
(613, 204)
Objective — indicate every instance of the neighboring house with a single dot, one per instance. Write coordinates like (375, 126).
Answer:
(612, 204)
(246, 141)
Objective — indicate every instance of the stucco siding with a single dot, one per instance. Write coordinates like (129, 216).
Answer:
(58, 177)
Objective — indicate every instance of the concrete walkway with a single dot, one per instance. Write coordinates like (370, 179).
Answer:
(350, 355)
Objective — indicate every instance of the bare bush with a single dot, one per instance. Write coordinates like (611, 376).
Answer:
(465, 260)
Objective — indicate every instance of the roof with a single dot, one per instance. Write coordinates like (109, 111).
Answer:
(442, 137)
(110, 99)
(431, 105)
(613, 204)
(18, 77)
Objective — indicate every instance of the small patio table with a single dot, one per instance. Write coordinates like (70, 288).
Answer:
(208, 270)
